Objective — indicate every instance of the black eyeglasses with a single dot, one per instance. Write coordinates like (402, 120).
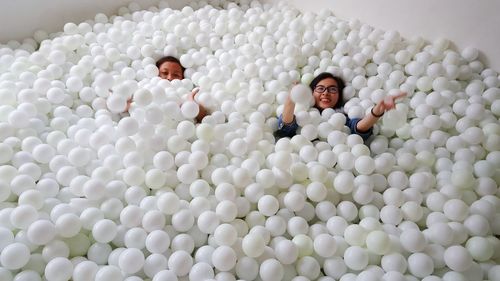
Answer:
(321, 89)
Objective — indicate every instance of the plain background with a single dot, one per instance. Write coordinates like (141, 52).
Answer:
(464, 22)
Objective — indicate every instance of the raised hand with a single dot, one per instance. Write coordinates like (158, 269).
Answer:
(386, 104)
(193, 93)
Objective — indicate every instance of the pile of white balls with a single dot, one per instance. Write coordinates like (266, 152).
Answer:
(90, 193)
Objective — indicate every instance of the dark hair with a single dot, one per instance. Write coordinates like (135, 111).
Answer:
(170, 59)
(340, 86)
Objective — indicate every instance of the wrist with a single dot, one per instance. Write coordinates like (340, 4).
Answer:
(375, 114)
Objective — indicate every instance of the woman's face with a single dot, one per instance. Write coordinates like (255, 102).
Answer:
(326, 94)
(171, 70)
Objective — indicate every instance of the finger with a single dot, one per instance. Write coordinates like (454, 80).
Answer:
(400, 95)
(388, 101)
(388, 104)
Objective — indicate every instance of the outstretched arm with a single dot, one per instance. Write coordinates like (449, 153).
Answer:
(288, 109)
(377, 111)
(202, 111)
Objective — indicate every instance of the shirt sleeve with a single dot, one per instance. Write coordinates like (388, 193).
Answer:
(352, 123)
(286, 129)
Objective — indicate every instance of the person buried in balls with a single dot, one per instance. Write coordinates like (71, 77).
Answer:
(170, 68)
(327, 91)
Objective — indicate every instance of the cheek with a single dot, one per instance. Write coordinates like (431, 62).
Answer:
(316, 99)
(335, 100)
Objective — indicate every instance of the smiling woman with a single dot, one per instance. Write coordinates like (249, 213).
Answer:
(328, 91)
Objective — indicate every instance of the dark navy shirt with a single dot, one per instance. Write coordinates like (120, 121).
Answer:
(289, 130)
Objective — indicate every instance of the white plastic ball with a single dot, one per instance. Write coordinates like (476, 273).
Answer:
(131, 260)
(157, 241)
(201, 271)
(479, 248)
(271, 269)
(457, 258)
(253, 245)
(224, 258)
(59, 269)
(304, 244)
(378, 242)
(420, 265)
(325, 245)
(15, 256)
(165, 275)
(104, 231)
(41, 232)
(286, 252)
(84, 270)
(301, 94)
(190, 109)
(268, 205)
(180, 262)
(356, 258)
(456, 209)
(225, 234)
(187, 173)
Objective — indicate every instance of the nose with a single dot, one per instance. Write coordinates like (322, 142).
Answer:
(170, 77)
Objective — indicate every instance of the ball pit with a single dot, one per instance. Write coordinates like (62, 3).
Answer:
(91, 193)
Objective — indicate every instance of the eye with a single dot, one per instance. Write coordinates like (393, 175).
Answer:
(332, 89)
(320, 89)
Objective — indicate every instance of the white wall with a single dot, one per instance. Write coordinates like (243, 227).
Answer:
(464, 22)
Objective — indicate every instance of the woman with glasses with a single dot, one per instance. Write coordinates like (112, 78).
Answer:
(328, 93)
